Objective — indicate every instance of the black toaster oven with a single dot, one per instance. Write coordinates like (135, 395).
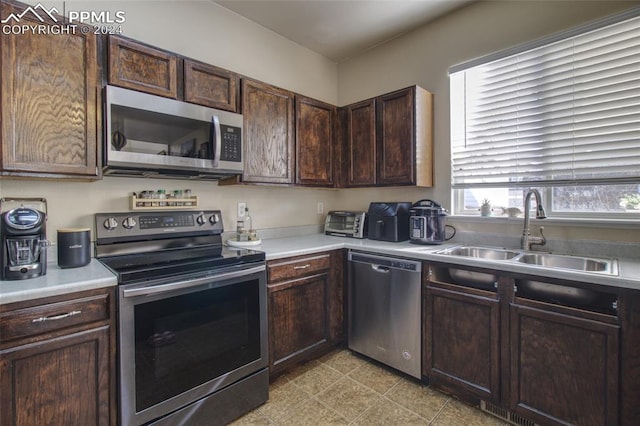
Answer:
(346, 224)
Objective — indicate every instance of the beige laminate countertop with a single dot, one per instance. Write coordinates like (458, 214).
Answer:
(628, 276)
(62, 281)
(57, 281)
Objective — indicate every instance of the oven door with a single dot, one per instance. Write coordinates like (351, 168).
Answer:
(183, 340)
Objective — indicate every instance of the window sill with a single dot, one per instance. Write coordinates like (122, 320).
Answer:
(577, 222)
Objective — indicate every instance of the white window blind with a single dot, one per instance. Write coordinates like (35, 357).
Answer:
(565, 112)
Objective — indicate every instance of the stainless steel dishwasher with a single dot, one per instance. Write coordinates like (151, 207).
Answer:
(384, 310)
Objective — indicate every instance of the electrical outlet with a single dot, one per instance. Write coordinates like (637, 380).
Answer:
(320, 207)
(242, 207)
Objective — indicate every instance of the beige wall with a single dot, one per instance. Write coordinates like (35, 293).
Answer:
(205, 31)
(423, 57)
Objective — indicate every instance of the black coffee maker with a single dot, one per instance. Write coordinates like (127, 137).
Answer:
(24, 238)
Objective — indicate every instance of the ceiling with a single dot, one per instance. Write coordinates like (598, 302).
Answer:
(341, 29)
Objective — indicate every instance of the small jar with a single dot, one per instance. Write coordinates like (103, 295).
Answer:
(187, 196)
(177, 193)
(147, 196)
(162, 196)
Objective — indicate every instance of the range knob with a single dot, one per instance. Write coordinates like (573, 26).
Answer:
(200, 220)
(214, 218)
(110, 223)
(129, 222)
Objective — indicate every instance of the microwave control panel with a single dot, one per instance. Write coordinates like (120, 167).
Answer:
(231, 143)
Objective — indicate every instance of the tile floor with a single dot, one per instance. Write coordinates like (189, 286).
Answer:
(342, 388)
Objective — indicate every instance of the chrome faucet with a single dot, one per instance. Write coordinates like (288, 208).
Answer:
(527, 240)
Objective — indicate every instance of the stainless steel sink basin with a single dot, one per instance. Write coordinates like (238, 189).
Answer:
(480, 252)
(575, 263)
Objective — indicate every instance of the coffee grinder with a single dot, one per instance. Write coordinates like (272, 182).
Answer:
(24, 238)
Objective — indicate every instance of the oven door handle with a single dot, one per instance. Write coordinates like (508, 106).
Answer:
(155, 289)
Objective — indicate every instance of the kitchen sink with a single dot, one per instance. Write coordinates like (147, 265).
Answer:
(487, 280)
(480, 252)
(575, 263)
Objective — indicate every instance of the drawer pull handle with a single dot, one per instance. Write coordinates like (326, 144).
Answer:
(302, 266)
(57, 317)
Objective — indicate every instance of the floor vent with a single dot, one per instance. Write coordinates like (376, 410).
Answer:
(504, 414)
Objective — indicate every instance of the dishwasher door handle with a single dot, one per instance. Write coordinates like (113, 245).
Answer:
(380, 268)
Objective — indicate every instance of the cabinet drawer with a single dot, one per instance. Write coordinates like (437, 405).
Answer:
(297, 267)
(54, 316)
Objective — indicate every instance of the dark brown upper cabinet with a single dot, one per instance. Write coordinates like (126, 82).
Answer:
(315, 130)
(211, 86)
(389, 140)
(50, 102)
(268, 117)
(359, 124)
(147, 69)
(140, 67)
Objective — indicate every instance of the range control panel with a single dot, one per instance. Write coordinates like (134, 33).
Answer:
(130, 224)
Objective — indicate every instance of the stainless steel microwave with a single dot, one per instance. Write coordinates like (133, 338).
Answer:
(152, 136)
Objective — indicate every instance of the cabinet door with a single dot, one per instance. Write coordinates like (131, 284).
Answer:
(139, 67)
(210, 86)
(50, 106)
(360, 145)
(462, 340)
(268, 114)
(298, 320)
(564, 369)
(61, 381)
(315, 131)
(396, 138)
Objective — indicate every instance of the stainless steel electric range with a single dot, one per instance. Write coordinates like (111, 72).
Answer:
(192, 322)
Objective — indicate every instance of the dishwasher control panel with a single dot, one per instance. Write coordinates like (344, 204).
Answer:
(385, 261)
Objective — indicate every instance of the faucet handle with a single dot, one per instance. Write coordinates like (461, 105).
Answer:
(544, 239)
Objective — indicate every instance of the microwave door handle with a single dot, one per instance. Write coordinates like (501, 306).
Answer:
(216, 139)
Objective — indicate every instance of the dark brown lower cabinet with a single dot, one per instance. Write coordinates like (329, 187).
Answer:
(299, 317)
(564, 368)
(305, 308)
(462, 341)
(62, 381)
(56, 359)
(530, 351)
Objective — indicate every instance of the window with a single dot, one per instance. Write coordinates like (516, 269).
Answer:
(560, 114)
